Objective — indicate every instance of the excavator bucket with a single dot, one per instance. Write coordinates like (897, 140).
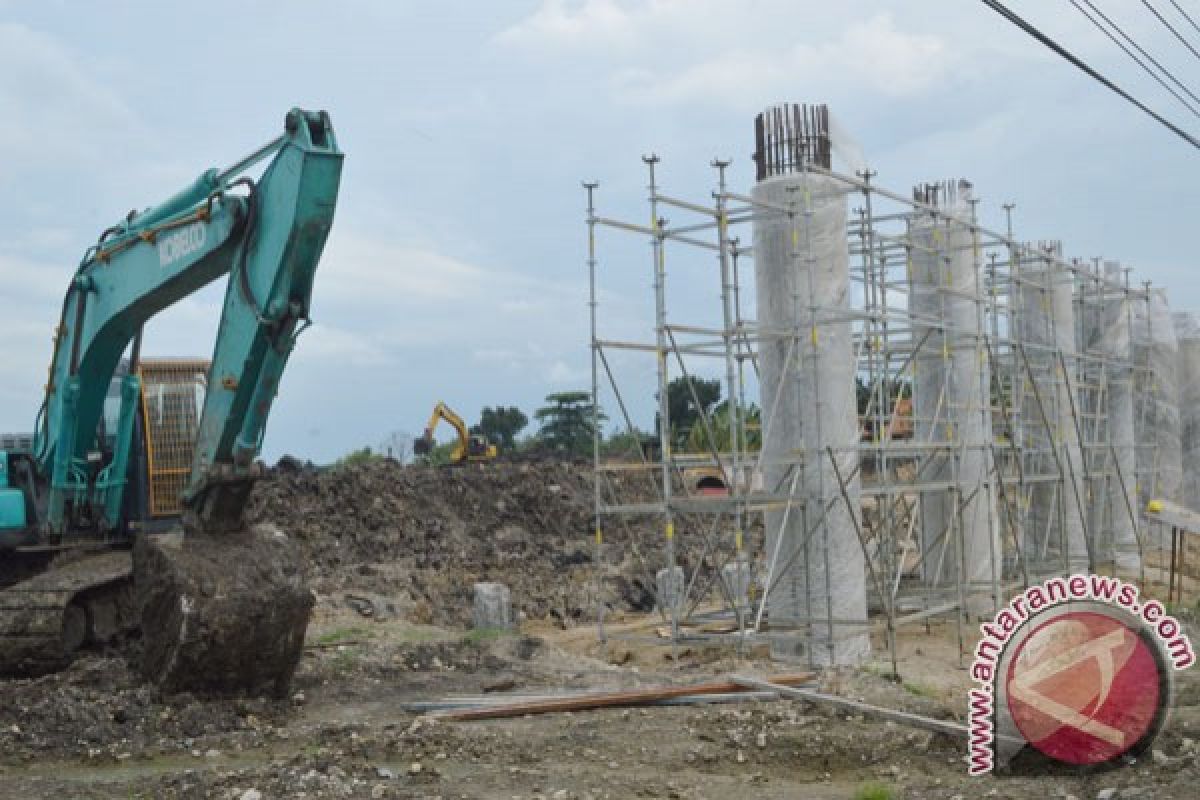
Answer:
(221, 612)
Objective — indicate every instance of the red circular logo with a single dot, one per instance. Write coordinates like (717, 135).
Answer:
(1084, 688)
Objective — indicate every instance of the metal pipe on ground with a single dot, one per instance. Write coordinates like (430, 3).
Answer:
(619, 699)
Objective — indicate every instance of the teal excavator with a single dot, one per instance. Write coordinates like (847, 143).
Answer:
(122, 515)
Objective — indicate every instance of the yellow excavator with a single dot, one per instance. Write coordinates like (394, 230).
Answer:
(469, 448)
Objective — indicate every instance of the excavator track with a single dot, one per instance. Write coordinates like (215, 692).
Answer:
(44, 620)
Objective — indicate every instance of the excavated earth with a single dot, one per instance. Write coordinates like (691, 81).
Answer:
(423, 535)
(390, 550)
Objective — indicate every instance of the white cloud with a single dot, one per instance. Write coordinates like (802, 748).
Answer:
(870, 55)
(681, 51)
(375, 300)
(554, 22)
(562, 373)
(330, 343)
(380, 271)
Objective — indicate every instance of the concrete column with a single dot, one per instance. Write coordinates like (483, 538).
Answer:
(1073, 491)
(1114, 490)
(952, 385)
(1156, 400)
(807, 367)
(1187, 330)
(1056, 520)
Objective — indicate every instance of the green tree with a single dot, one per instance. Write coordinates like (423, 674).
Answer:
(440, 454)
(566, 422)
(682, 408)
(501, 425)
(363, 455)
(623, 444)
(697, 441)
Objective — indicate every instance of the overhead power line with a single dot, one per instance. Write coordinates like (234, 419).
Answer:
(1186, 16)
(1131, 54)
(1171, 28)
(1012, 17)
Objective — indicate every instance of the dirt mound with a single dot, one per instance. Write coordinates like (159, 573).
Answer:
(100, 709)
(428, 533)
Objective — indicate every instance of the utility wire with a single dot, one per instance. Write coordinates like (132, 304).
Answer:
(1171, 28)
(1130, 53)
(1003, 11)
(1185, 15)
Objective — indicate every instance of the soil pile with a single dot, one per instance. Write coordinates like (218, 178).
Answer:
(426, 534)
(101, 710)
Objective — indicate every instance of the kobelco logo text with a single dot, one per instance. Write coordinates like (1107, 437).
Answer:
(185, 241)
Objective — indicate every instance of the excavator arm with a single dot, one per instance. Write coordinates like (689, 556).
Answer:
(224, 606)
(268, 237)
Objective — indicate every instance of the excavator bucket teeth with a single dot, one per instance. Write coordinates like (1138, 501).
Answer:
(221, 612)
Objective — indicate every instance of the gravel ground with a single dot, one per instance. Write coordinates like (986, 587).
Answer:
(394, 552)
(95, 731)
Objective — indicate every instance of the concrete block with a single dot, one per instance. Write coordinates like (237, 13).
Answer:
(670, 585)
(736, 576)
(493, 606)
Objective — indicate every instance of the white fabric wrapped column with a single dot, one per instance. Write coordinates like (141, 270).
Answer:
(951, 383)
(1188, 333)
(1111, 338)
(1057, 512)
(806, 363)
(1156, 400)
(1073, 491)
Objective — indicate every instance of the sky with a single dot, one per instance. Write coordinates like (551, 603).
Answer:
(456, 269)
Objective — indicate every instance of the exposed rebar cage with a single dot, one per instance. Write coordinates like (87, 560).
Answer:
(788, 138)
(985, 371)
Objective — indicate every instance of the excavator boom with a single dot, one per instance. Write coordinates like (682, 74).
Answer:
(268, 241)
(221, 607)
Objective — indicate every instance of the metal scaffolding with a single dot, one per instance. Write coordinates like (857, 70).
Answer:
(994, 389)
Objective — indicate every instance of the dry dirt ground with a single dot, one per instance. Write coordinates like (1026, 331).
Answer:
(96, 731)
(393, 553)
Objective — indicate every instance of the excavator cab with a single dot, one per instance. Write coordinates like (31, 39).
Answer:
(173, 392)
(478, 447)
(162, 444)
